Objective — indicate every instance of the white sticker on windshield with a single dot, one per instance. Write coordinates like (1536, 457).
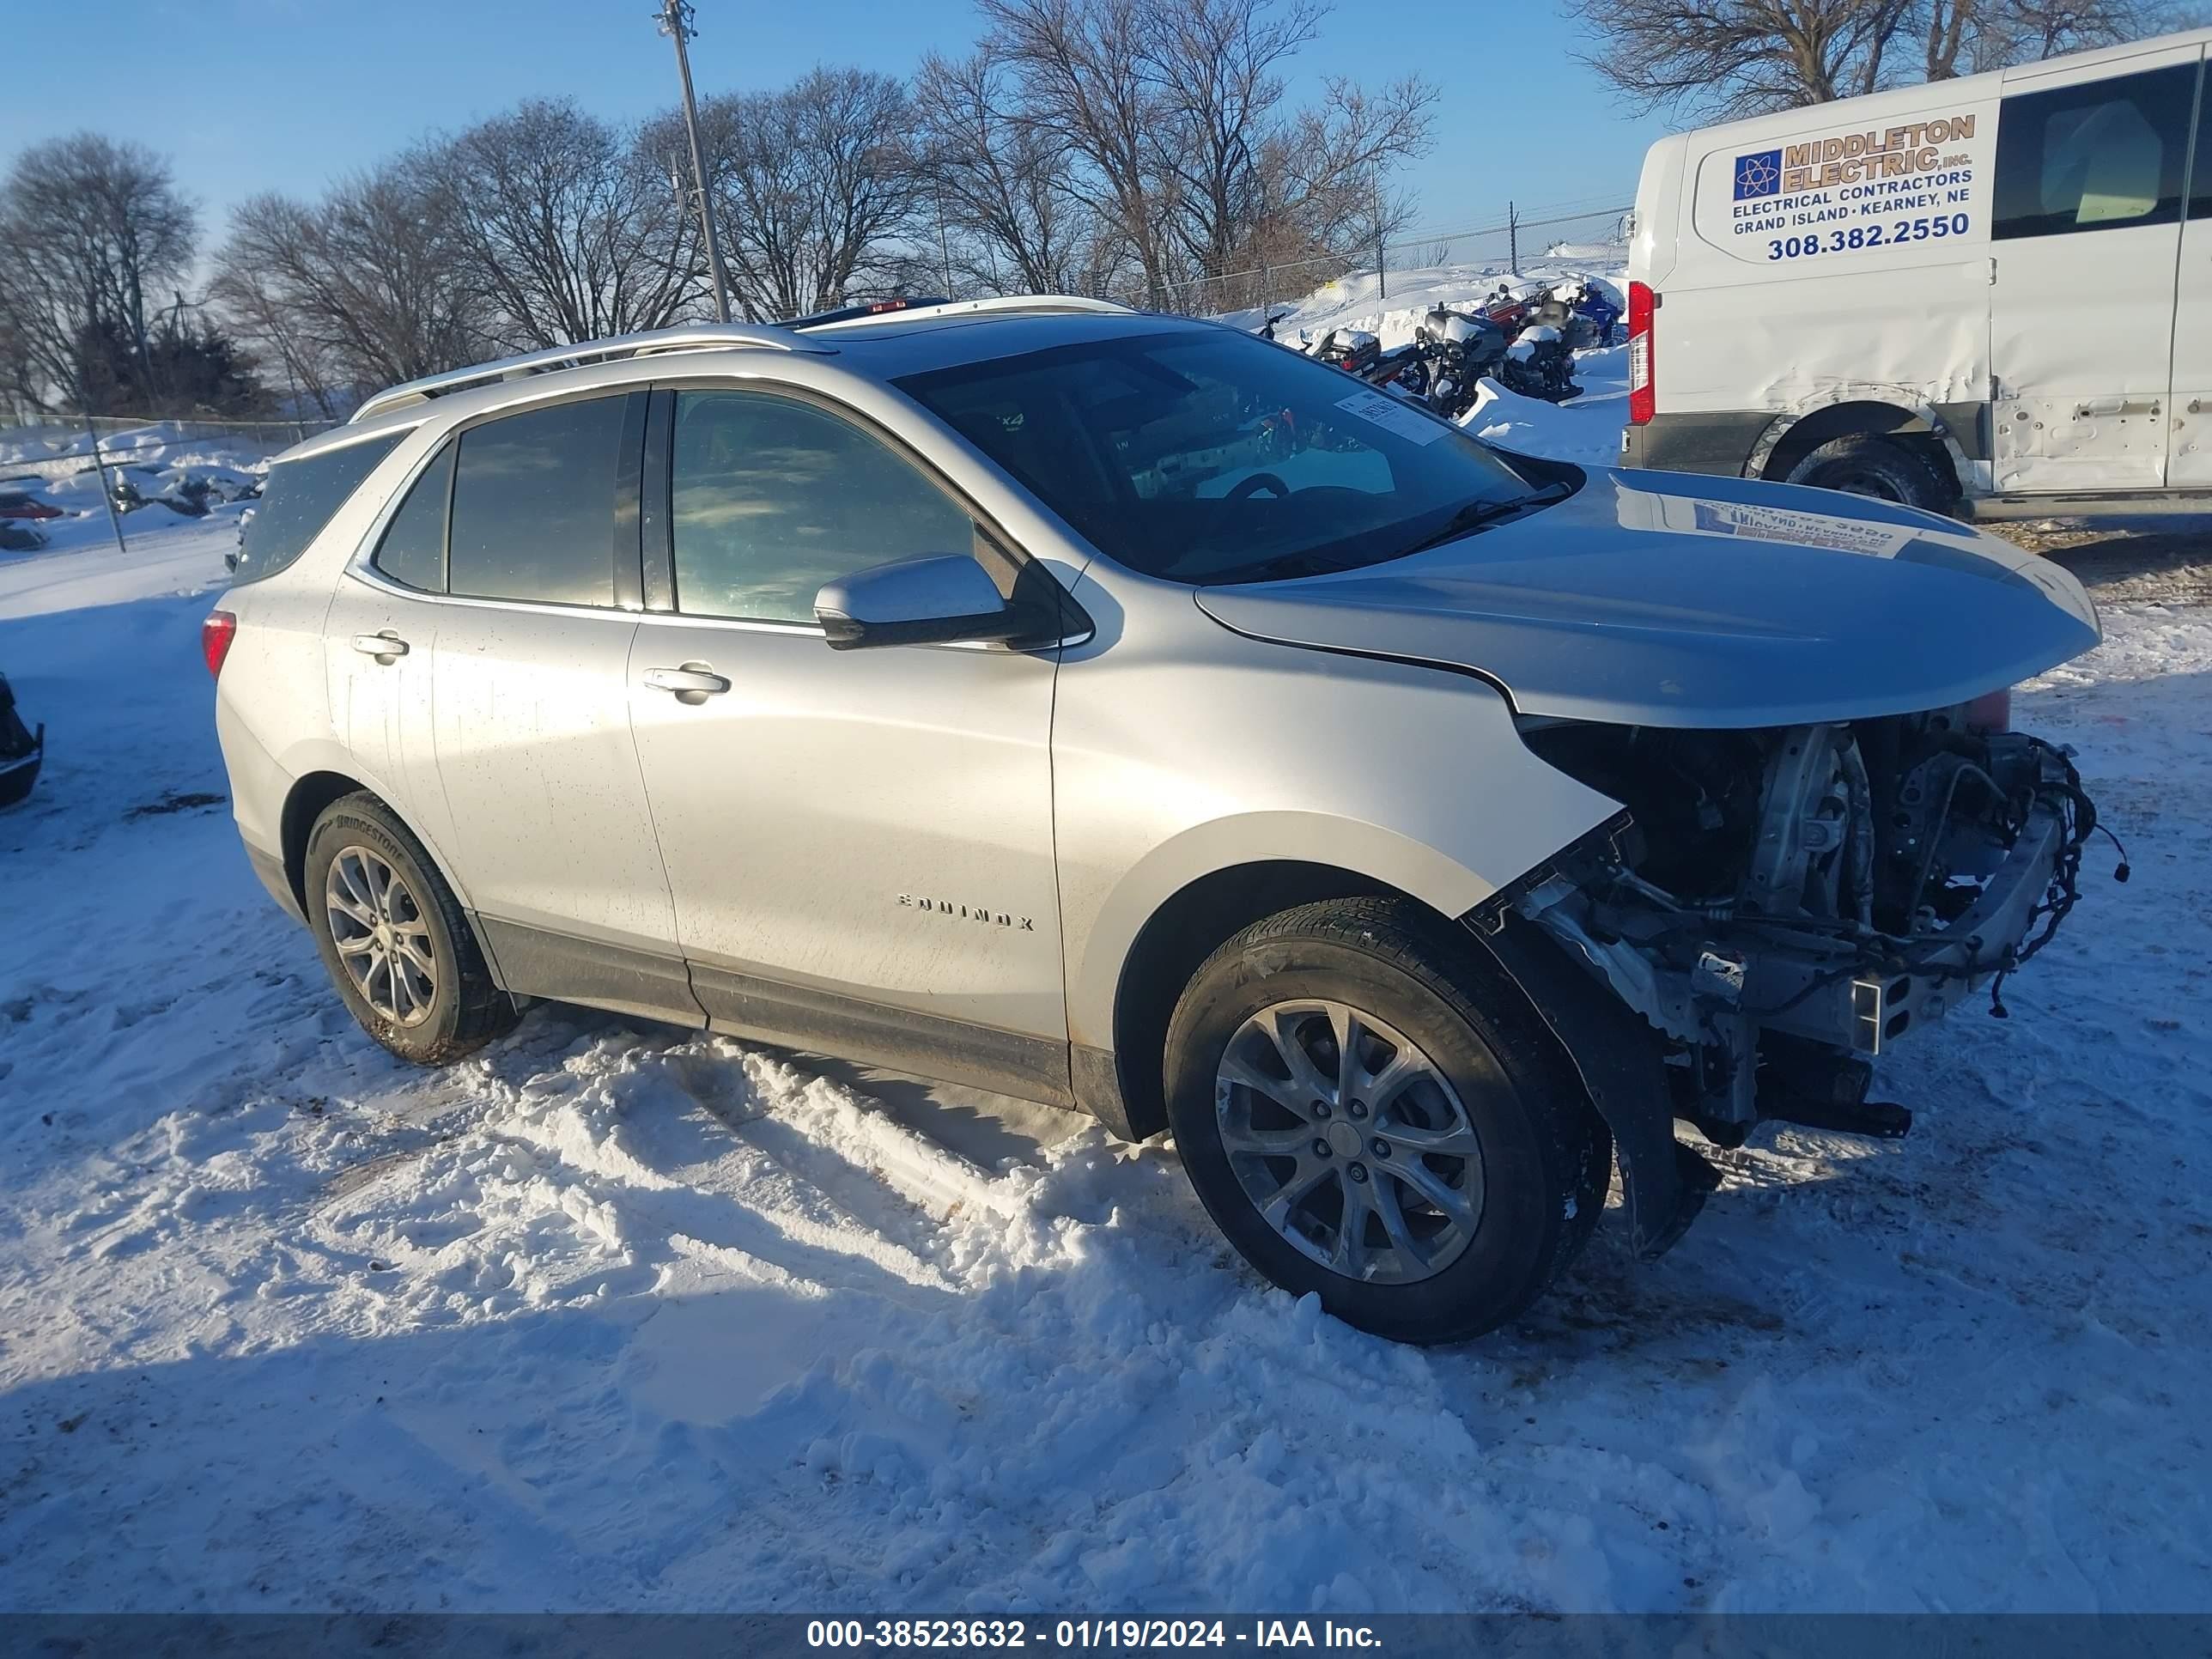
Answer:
(1392, 416)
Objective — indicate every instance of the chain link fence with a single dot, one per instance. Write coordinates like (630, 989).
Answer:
(1561, 234)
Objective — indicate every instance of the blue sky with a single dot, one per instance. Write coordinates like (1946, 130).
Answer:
(247, 95)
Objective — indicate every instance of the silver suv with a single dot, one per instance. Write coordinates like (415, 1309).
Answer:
(1128, 714)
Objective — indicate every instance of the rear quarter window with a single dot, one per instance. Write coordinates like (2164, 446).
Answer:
(299, 498)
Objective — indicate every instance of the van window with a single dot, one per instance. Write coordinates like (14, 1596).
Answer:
(2103, 156)
(298, 499)
(533, 512)
(773, 498)
(413, 550)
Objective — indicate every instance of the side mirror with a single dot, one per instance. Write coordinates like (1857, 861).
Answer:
(929, 601)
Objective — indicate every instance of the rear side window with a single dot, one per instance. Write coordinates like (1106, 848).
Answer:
(533, 513)
(2200, 188)
(2104, 156)
(413, 550)
(298, 499)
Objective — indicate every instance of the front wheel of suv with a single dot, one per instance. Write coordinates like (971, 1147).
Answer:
(1369, 1110)
(395, 940)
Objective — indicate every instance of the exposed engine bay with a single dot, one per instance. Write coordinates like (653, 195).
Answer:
(1781, 903)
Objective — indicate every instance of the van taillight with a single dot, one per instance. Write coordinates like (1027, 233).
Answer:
(1642, 384)
(217, 633)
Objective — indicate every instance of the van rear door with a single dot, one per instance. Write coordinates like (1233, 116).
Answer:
(2086, 233)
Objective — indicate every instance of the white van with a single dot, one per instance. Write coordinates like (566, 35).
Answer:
(1989, 297)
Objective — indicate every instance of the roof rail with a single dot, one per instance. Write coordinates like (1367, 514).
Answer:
(688, 337)
(1002, 302)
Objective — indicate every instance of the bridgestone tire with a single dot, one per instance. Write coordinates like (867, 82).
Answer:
(467, 1009)
(1545, 1155)
(1866, 465)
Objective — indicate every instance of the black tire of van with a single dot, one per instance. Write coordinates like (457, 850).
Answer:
(1865, 465)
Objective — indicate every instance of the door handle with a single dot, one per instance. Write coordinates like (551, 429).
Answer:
(693, 677)
(383, 647)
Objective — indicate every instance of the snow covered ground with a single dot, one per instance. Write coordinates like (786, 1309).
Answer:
(617, 1316)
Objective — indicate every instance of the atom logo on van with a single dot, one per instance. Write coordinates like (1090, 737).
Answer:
(1757, 174)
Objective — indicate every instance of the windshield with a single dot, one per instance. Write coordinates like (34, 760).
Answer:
(1214, 457)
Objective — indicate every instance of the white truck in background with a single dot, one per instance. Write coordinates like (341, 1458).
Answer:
(1990, 296)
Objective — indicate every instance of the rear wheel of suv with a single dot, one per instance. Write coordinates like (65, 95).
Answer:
(1864, 464)
(394, 937)
(1369, 1110)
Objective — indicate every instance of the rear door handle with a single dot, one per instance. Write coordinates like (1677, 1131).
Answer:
(383, 647)
(692, 676)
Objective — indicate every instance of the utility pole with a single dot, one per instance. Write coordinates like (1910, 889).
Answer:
(675, 20)
(1512, 240)
(944, 247)
(1382, 280)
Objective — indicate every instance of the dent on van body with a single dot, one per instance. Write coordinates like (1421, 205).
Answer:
(1805, 280)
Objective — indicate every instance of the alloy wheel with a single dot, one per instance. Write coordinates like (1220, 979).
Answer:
(382, 936)
(1349, 1141)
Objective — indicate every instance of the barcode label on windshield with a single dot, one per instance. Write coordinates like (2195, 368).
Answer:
(1392, 416)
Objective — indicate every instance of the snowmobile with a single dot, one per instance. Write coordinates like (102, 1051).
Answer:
(21, 750)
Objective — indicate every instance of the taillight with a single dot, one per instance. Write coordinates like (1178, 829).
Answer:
(217, 633)
(1643, 386)
(1990, 712)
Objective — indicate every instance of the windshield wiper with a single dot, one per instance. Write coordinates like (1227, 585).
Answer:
(1475, 514)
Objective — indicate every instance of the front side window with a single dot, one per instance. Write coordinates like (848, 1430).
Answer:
(772, 498)
(413, 550)
(2200, 174)
(298, 499)
(1209, 456)
(534, 513)
(2102, 155)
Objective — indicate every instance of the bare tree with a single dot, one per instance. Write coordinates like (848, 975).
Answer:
(1216, 66)
(88, 229)
(1001, 186)
(814, 185)
(569, 229)
(1721, 59)
(365, 288)
(1966, 37)
(1175, 120)
(1087, 83)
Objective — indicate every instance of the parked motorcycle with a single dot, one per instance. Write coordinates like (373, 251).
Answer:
(1354, 350)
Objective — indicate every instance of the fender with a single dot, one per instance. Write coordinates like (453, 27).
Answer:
(314, 755)
(1923, 418)
(1247, 752)
(1620, 1060)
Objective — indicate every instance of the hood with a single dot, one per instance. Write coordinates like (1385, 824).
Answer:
(1664, 599)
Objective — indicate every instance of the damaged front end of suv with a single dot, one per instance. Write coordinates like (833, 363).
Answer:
(1781, 903)
(1829, 833)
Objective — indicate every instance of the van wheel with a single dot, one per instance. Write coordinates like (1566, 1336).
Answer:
(1864, 464)
(394, 939)
(1369, 1112)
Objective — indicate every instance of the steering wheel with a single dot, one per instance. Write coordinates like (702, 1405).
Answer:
(1245, 488)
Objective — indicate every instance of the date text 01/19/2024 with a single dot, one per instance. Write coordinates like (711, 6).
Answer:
(1062, 1634)
(1866, 236)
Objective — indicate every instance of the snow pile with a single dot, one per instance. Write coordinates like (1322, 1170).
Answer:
(614, 1316)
